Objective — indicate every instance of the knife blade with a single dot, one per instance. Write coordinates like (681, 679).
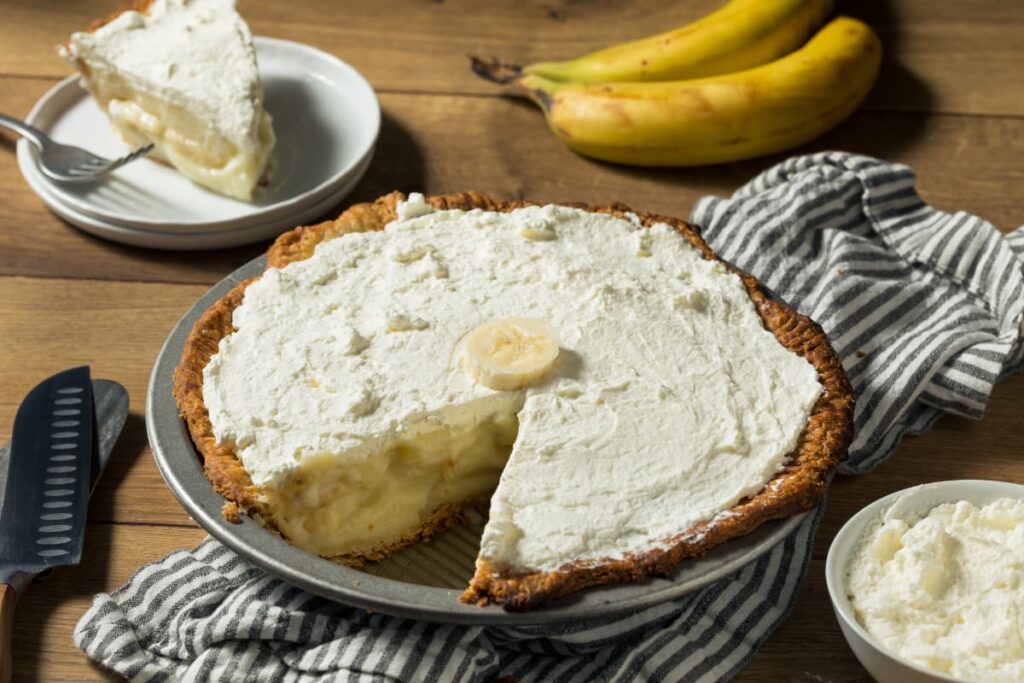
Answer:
(110, 408)
(105, 420)
(48, 478)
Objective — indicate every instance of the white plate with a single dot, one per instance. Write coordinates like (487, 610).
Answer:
(190, 241)
(326, 118)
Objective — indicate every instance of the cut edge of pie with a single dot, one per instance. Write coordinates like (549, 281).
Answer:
(797, 488)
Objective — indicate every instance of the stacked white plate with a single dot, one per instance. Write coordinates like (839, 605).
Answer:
(326, 118)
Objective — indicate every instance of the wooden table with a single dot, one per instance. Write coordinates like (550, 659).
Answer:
(950, 102)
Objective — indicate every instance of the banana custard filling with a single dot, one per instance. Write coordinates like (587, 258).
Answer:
(597, 386)
(182, 74)
(354, 509)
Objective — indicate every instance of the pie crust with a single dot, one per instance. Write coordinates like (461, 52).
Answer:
(797, 488)
(140, 6)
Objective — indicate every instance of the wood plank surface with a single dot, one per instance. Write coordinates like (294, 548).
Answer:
(502, 146)
(964, 51)
(117, 328)
(949, 102)
(956, 448)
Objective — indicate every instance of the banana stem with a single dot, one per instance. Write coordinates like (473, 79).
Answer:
(495, 70)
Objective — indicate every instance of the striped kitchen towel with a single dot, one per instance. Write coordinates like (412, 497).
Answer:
(925, 309)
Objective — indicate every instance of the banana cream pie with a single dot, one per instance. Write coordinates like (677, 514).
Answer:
(181, 74)
(615, 396)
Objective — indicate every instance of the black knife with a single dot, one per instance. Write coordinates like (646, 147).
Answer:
(64, 432)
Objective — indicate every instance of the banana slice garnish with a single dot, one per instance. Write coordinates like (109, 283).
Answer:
(510, 353)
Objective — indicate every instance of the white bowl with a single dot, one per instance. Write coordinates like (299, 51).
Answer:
(883, 664)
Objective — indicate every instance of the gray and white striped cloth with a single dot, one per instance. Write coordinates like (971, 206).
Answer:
(925, 308)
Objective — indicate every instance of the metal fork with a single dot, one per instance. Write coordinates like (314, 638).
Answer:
(64, 162)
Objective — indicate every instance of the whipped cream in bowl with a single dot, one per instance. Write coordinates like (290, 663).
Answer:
(927, 583)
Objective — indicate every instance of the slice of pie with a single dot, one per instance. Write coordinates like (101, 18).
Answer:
(616, 397)
(182, 75)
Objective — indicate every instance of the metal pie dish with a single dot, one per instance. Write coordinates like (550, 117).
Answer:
(424, 581)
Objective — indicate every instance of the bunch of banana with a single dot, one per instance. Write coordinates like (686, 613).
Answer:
(725, 88)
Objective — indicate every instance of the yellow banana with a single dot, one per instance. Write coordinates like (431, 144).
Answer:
(722, 118)
(741, 35)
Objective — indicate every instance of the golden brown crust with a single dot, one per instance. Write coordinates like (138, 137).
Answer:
(821, 447)
(140, 6)
(221, 465)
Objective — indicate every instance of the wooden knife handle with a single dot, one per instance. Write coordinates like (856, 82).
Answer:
(7, 599)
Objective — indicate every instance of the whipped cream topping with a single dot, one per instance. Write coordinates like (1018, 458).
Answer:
(195, 54)
(944, 588)
(668, 402)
